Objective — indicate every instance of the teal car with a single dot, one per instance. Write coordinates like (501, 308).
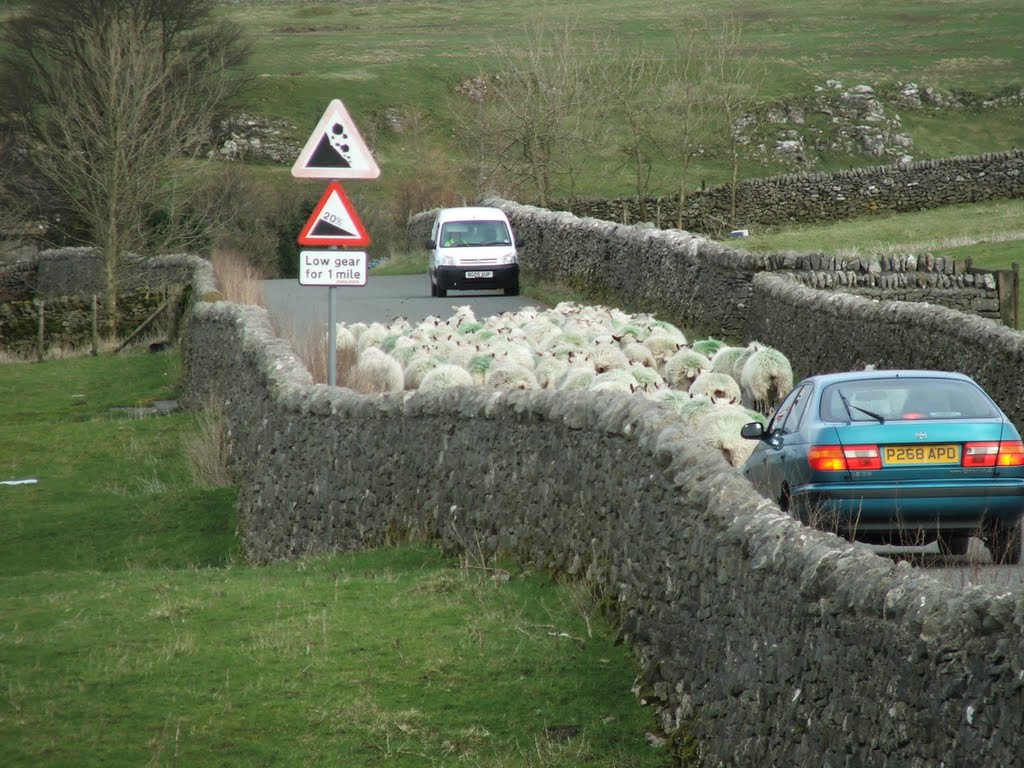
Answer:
(895, 457)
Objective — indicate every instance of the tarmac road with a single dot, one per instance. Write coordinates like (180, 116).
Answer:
(382, 299)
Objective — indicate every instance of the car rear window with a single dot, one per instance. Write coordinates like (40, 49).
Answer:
(905, 398)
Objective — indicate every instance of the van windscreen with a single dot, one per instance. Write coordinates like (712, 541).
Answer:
(474, 233)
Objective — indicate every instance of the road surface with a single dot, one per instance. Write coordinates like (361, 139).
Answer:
(382, 299)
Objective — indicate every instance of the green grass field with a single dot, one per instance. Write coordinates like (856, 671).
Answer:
(131, 632)
(410, 56)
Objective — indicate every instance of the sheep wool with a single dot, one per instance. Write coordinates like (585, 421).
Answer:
(579, 376)
(707, 347)
(647, 379)
(377, 371)
(417, 368)
(636, 352)
(719, 387)
(724, 360)
(766, 378)
(510, 375)
(695, 408)
(684, 367)
(446, 376)
(721, 427)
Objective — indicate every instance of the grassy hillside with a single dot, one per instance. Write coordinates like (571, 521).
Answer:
(390, 60)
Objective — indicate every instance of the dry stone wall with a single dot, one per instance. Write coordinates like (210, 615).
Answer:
(823, 197)
(706, 285)
(772, 643)
(60, 285)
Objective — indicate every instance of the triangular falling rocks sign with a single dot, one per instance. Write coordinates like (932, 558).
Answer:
(335, 150)
(334, 222)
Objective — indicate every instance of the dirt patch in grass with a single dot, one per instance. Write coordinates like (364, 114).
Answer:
(944, 68)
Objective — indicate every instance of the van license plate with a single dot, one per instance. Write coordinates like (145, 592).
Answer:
(474, 275)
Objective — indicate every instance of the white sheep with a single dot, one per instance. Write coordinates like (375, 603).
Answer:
(636, 352)
(579, 376)
(766, 378)
(445, 376)
(508, 374)
(672, 397)
(608, 358)
(417, 368)
(696, 408)
(647, 379)
(479, 366)
(741, 360)
(684, 367)
(663, 345)
(718, 386)
(344, 339)
(724, 360)
(616, 380)
(707, 347)
(721, 427)
(549, 371)
(377, 371)
(372, 336)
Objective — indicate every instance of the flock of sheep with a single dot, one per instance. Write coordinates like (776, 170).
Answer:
(710, 384)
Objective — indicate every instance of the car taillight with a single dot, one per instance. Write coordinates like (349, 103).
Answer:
(1009, 453)
(839, 458)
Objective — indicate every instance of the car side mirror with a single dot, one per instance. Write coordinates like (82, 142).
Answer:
(430, 244)
(519, 242)
(753, 431)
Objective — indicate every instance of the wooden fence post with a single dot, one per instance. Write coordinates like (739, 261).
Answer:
(1007, 296)
(95, 325)
(42, 329)
(1016, 295)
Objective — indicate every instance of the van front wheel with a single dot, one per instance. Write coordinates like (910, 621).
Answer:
(512, 289)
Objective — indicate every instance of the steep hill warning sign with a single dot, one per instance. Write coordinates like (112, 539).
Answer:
(335, 150)
(334, 221)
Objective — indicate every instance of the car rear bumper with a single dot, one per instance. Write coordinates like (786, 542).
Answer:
(963, 506)
(462, 279)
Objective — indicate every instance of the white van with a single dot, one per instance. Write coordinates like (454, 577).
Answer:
(472, 248)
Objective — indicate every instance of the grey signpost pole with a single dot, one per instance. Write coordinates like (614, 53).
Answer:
(332, 333)
(335, 150)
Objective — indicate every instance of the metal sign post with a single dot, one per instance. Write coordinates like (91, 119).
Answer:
(332, 267)
(332, 339)
(335, 150)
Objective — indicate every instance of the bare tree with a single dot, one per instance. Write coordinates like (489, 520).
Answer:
(535, 116)
(107, 97)
(738, 74)
(687, 96)
(632, 88)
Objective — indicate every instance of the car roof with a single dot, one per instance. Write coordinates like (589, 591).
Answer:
(471, 213)
(868, 375)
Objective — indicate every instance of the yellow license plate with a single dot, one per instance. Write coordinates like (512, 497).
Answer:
(921, 454)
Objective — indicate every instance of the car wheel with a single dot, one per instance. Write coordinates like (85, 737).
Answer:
(954, 544)
(439, 289)
(512, 289)
(1004, 544)
(433, 288)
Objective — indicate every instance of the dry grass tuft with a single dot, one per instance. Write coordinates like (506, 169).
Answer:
(240, 282)
(207, 450)
(312, 350)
